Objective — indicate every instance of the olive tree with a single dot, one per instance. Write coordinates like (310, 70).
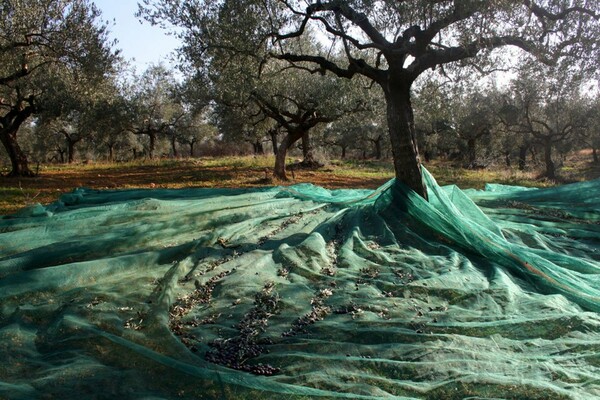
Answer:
(39, 40)
(548, 107)
(156, 106)
(390, 42)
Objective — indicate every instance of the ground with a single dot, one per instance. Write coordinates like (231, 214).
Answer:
(54, 180)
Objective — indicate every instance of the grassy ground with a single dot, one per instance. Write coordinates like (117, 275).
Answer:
(54, 180)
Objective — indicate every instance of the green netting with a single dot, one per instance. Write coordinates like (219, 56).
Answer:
(301, 292)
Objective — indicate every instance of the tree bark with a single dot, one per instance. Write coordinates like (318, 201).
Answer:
(287, 142)
(343, 152)
(407, 164)
(550, 168)
(273, 134)
(70, 151)
(309, 158)
(18, 159)
(9, 126)
(191, 143)
(595, 154)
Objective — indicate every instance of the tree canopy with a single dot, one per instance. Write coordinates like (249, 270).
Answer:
(390, 42)
(43, 42)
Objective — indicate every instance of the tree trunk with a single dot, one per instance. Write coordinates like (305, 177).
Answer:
(273, 134)
(523, 157)
(191, 143)
(70, 150)
(9, 126)
(61, 154)
(174, 147)
(343, 152)
(152, 145)
(287, 142)
(111, 151)
(472, 152)
(309, 158)
(595, 154)
(18, 159)
(258, 147)
(550, 168)
(407, 164)
(377, 143)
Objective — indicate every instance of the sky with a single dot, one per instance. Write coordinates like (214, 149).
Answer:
(143, 42)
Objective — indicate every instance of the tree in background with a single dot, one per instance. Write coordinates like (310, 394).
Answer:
(474, 120)
(591, 136)
(39, 41)
(298, 102)
(390, 42)
(156, 107)
(548, 106)
(433, 117)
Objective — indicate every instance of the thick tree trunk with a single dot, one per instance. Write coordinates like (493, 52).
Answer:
(18, 159)
(307, 152)
(191, 149)
(550, 168)
(287, 142)
(9, 126)
(279, 169)
(70, 151)
(523, 157)
(343, 152)
(407, 164)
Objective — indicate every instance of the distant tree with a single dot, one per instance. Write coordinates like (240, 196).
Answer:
(590, 137)
(474, 119)
(156, 106)
(547, 106)
(390, 42)
(433, 117)
(256, 99)
(195, 131)
(39, 41)
(510, 115)
(298, 102)
(112, 122)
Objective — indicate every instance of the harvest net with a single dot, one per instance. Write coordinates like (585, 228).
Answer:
(302, 292)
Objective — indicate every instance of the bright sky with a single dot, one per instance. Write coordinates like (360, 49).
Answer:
(143, 42)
